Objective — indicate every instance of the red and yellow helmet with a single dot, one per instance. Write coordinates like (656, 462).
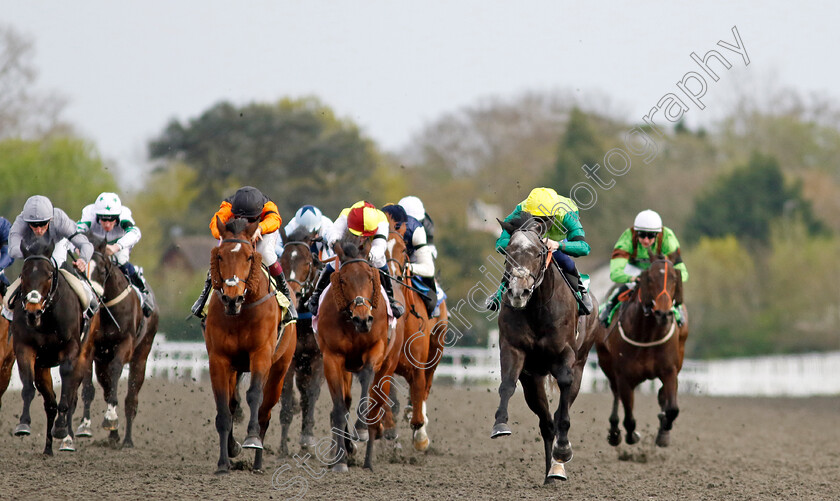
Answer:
(363, 218)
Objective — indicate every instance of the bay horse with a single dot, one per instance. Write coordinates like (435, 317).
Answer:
(354, 337)
(242, 335)
(540, 334)
(46, 331)
(301, 268)
(7, 356)
(645, 342)
(124, 336)
(422, 339)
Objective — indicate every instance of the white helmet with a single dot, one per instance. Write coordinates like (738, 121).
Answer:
(107, 204)
(309, 217)
(413, 207)
(647, 220)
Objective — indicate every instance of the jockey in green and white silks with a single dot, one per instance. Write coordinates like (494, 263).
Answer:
(565, 237)
(631, 254)
(109, 220)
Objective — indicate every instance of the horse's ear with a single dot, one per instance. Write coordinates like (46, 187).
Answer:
(339, 252)
(506, 226)
(220, 226)
(251, 228)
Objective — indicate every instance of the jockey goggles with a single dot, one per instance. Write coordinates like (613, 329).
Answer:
(647, 234)
(106, 219)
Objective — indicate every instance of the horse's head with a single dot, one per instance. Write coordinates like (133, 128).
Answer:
(660, 287)
(397, 255)
(235, 263)
(525, 258)
(299, 263)
(99, 267)
(356, 281)
(38, 279)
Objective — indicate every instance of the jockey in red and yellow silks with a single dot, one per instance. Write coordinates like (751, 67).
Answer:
(360, 219)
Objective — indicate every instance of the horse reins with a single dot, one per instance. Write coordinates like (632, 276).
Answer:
(233, 281)
(307, 282)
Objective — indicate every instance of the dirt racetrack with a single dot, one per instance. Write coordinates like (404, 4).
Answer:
(721, 448)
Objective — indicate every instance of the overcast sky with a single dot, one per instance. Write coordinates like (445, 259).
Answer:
(127, 68)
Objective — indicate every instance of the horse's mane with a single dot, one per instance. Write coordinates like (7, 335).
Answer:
(301, 234)
(39, 246)
(351, 245)
(237, 226)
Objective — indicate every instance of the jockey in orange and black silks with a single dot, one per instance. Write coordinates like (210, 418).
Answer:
(565, 237)
(361, 219)
(249, 203)
(632, 252)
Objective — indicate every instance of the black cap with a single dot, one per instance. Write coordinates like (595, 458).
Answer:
(247, 202)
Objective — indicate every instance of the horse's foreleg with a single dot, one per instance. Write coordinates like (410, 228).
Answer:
(562, 450)
(43, 381)
(375, 412)
(625, 392)
(512, 361)
(88, 393)
(220, 375)
(334, 374)
(26, 371)
(272, 391)
(668, 406)
(287, 413)
(614, 436)
(260, 366)
(310, 390)
(7, 363)
(111, 421)
(534, 389)
(136, 378)
(363, 416)
(420, 438)
(69, 393)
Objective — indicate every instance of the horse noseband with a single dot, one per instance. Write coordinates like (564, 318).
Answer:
(360, 301)
(232, 282)
(34, 297)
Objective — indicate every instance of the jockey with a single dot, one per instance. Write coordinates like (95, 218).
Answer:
(249, 203)
(39, 219)
(316, 225)
(361, 219)
(421, 262)
(5, 259)
(632, 252)
(414, 208)
(108, 219)
(565, 237)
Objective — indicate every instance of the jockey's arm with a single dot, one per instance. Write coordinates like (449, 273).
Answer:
(132, 232)
(378, 246)
(575, 243)
(225, 214)
(336, 231)
(270, 219)
(423, 264)
(671, 247)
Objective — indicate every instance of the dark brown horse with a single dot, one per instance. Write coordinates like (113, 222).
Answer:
(540, 335)
(422, 339)
(47, 332)
(354, 337)
(644, 343)
(7, 355)
(301, 269)
(124, 336)
(241, 334)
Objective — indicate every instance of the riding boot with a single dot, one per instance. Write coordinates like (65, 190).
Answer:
(611, 302)
(276, 272)
(138, 280)
(88, 314)
(323, 281)
(494, 302)
(198, 306)
(396, 308)
(584, 301)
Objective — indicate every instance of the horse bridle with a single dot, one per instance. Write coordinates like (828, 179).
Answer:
(402, 267)
(234, 280)
(33, 296)
(543, 258)
(648, 309)
(307, 284)
(358, 300)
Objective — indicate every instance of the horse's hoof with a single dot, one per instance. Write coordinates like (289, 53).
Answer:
(128, 444)
(391, 434)
(556, 472)
(48, 451)
(308, 441)
(236, 449)
(84, 429)
(59, 433)
(222, 471)
(22, 430)
(614, 438)
(500, 430)
(632, 438)
(362, 434)
(252, 443)
(421, 440)
(663, 438)
(110, 424)
(67, 445)
(339, 468)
